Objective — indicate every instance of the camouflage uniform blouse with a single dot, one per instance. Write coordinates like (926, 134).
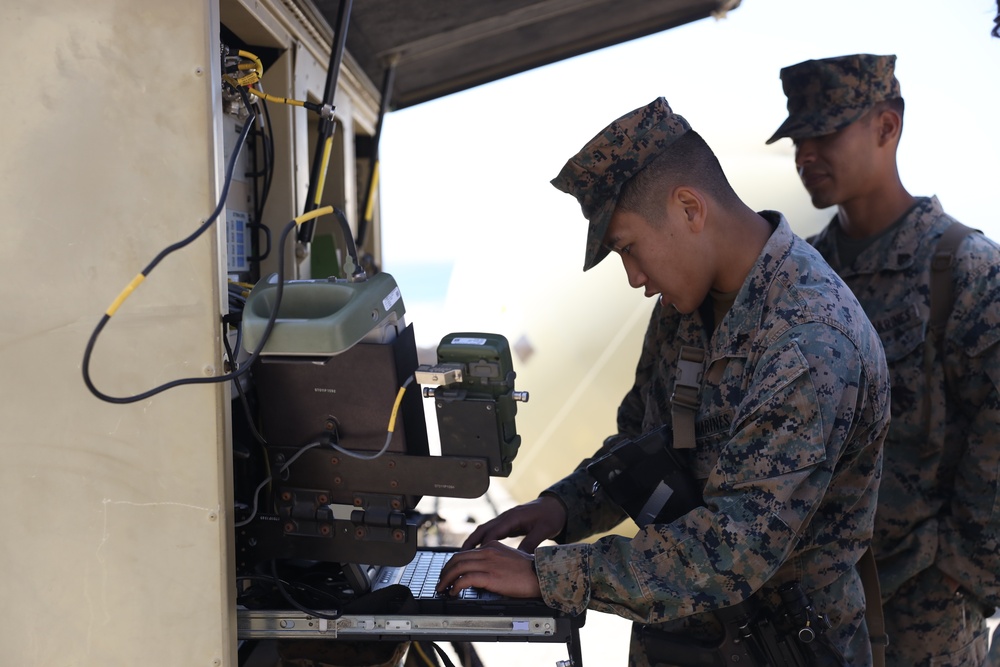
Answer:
(938, 503)
(788, 444)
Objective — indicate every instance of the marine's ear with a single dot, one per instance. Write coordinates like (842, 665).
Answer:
(692, 205)
(889, 125)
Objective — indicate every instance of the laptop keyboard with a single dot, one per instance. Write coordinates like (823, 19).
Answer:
(421, 576)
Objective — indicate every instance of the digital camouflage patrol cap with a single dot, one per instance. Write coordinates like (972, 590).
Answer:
(826, 95)
(596, 174)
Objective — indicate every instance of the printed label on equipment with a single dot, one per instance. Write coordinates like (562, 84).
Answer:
(237, 241)
(390, 300)
(468, 341)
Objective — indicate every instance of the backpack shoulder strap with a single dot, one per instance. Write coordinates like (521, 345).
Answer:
(942, 299)
(873, 607)
(941, 287)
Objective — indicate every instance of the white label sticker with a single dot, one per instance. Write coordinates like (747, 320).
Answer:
(237, 241)
(468, 341)
(390, 300)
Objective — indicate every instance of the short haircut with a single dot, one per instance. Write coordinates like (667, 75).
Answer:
(895, 104)
(688, 161)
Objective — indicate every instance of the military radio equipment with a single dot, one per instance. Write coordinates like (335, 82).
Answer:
(346, 457)
(472, 385)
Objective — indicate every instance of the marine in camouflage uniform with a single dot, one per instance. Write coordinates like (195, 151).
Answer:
(788, 448)
(789, 430)
(937, 528)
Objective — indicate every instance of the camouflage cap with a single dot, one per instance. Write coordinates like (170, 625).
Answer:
(596, 174)
(826, 95)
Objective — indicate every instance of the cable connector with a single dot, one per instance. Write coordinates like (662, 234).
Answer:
(439, 374)
(325, 111)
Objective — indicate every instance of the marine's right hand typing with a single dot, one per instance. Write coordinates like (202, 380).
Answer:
(538, 520)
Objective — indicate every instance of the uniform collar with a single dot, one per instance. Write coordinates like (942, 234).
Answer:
(738, 328)
(895, 252)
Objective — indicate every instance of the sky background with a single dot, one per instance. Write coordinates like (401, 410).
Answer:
(468, 175)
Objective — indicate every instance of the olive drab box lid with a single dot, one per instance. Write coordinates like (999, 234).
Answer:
(322, 317)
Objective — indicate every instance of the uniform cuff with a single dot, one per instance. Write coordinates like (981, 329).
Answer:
(564, 576)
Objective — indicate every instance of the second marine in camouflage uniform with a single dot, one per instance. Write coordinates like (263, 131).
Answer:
(937, 528)
(938, 505)
(788, 450)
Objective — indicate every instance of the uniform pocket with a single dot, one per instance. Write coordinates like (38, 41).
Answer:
(903, 336)
(712, 433)
(902, 332)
